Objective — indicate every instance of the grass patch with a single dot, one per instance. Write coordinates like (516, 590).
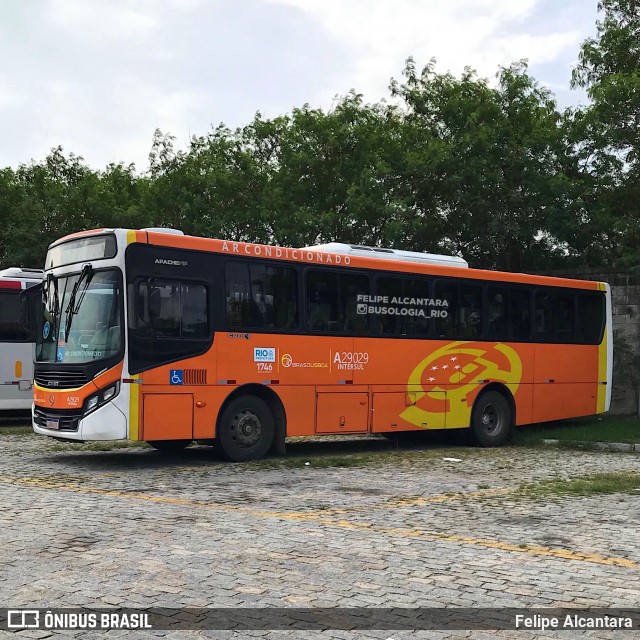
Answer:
(16, 431)
(596, 429)
(107, 445)
(596, 484)
(320, 462)
(325, 462)
(386, 456)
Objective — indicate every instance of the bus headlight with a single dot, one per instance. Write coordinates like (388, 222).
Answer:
(108, 393)
(102, 397)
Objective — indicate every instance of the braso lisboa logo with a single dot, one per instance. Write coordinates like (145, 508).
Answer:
(457, 368)
(288, 361)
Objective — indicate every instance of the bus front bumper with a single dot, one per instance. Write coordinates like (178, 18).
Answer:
(105, 423)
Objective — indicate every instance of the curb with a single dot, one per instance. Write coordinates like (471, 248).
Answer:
(596, 446)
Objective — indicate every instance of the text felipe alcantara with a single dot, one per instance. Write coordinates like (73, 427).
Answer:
(572, 621)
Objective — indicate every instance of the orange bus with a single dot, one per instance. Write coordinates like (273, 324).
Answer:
(157, 336)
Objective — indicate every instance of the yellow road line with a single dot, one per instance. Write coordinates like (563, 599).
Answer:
(389, 504)
(535, 550)
(364, 508)
(413, 502)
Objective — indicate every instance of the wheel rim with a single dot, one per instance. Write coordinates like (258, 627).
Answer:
(245, 428)
(492, 420)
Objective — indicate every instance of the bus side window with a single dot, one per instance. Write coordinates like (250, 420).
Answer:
(11, 327)
(498, 313)
(520, 314)
(544, 316)
(410, 296)
(280, 298)
(195, 323)
(419, 326)
(353, 286)
(164, 308)
(242, 309)
(168, 310)
(446, 327)
(555, 316)
(591, 317)
(260, 296)
(565, 316)
(260, 307)
(389, 288)
(154, 304)
(322, 297)
(470, 312)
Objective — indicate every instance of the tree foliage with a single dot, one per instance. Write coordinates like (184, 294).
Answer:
(494, 171)
(609, 129)
(493, 177)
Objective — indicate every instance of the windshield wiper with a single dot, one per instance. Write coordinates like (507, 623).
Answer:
(73, 307)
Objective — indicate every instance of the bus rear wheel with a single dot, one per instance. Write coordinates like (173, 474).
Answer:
(492, 420)
(246, 429)
(169, 446)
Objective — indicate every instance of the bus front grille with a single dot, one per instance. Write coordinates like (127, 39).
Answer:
(57, 379)
(67, 419)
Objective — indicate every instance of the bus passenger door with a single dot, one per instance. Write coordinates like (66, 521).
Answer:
(167, 416)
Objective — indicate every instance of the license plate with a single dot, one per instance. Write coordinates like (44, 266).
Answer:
(53, 423)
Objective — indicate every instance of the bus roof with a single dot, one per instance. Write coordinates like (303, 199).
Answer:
(390, 254)
(356, 257)
(22, 273)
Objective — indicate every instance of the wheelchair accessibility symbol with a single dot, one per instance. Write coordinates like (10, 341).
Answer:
(176, 376)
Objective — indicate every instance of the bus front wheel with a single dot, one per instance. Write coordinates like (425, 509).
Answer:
(246, 429)
(492, 420)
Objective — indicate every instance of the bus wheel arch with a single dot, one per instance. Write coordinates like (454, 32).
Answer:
(493, 416)
(274, 404)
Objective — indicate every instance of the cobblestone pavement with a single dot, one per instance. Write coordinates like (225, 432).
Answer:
(133, 528)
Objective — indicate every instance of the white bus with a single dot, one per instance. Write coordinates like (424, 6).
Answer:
(16, 339)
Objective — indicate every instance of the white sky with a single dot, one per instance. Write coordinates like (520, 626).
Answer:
(99, 76)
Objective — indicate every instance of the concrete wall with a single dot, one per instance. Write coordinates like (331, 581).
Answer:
(625, 298)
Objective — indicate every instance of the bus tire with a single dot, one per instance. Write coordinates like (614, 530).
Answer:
(246, 429)
(491, 420)
(169, 446)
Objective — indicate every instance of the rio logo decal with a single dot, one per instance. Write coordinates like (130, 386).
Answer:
(457, 368)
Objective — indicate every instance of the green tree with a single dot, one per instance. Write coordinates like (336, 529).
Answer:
(297, 179)
(492, 169)
(42, 202)
(52, 202)
(609, 69)
(333, 176)
(9, 197)
(211, 190)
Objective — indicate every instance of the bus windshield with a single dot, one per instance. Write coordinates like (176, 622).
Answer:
(81, 317)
